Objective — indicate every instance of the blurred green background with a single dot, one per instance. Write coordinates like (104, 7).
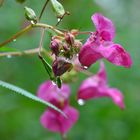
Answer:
(99, 119)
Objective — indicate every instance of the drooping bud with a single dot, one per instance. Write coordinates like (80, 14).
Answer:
(55, 46)
(61, 66)
(69, 38)
(30, 15)
(58, 8)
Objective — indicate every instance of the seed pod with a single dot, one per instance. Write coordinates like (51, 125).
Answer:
(60, 67)
(58, 8)
(30, 14)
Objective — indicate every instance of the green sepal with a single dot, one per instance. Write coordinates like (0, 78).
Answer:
(58, 82)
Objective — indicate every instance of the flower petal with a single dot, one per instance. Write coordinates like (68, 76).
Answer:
(55, 122)
(116, 55)
(51, 93)
(89, 54)
(104, 26)
(93, 86)
(116, 96)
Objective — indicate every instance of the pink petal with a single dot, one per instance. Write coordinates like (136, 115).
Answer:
(51, 93)
(89, 54)
(94, 85)
(116, 55)
(55, 122)
(116, 96)
(104, 26)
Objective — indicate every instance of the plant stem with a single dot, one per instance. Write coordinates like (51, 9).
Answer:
(26, 29)
(48, 27)
(42, 11)
(41, 41)
(16, 35)
(20, 53)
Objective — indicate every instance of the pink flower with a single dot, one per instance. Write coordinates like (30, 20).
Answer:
(96, 87)
(51, 119)
(55, 122)
(100, 45)
(51, 93)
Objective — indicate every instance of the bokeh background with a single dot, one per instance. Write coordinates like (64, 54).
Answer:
(99, 119)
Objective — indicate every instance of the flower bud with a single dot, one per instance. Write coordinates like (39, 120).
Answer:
(58, 8)
(30, 15)
(60, 67)
(77, 45)
(55, 46)
(69, 38)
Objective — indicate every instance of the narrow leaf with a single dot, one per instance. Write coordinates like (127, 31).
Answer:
(28, 95)
(47, 67)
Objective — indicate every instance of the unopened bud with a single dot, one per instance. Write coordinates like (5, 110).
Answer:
(74, 32)
(69, 38)
(78, 44)
(55, 46)
(30, 15)
(61, 66)
(58, 8)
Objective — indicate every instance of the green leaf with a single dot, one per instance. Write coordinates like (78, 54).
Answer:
(58, 8)
(47, 67)
(28, 95)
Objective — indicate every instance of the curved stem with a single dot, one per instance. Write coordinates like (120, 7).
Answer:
(29, 27)
(48, 27)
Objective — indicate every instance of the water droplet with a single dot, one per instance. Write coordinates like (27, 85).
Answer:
(53, 83)
(14, 40)
(81, 102)
(8, 56)
(85, 67)
(58, 19)
(77, 55)
(32, 22)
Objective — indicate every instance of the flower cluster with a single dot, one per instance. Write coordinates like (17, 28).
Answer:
(52, 119)
(70, 53)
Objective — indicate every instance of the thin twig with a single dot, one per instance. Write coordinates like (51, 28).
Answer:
(41, 41)
(20, 53)
(42, 11)
(29, 27)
